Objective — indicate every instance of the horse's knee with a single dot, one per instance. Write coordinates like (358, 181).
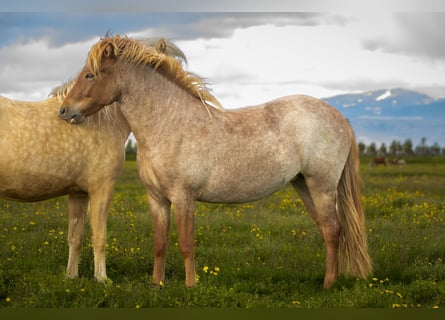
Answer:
(160, 247)
(187, 247)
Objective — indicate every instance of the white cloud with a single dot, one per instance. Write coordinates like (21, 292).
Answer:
(30, 70)
(260, 63)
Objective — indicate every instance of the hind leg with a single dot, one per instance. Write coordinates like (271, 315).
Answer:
(77, 211)
(320, 203)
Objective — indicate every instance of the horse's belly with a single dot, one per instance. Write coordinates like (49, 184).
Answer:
(238, 195)
(28, 190)
(249, 179)
(243, 189)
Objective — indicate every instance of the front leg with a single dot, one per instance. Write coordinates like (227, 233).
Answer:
(160, 212)
(77, 211)
(99, 205)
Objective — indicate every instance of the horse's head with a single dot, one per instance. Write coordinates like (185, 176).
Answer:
(101, 81)
(94, 88)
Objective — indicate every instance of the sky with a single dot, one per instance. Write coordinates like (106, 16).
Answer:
(248, 55)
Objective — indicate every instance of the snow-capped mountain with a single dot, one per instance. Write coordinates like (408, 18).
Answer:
(393, 114)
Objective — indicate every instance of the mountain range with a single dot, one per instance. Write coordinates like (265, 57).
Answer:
(393, 114)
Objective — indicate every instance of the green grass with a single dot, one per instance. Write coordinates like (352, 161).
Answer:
(263, 254)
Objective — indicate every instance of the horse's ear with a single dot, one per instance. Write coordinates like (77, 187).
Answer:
(109, 52)
(161, 46)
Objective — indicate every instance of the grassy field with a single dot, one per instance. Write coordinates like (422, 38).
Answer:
(263, 254)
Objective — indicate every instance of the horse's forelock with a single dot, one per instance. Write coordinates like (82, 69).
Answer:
(95, 56)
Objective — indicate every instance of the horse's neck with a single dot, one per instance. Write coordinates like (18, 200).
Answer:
(154, 106)
(112, 119)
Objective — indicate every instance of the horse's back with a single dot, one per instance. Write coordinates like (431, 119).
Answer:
(306, 109)
(323, 136)
(312, 121)
(5, 105)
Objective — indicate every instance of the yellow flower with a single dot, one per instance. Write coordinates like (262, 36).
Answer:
(205, 269)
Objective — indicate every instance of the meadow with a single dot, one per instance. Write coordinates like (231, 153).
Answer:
(262, 254)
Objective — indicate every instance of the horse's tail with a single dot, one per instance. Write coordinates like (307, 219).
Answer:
(353, 248)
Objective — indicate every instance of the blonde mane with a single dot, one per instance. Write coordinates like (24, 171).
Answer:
(158, 57)
(62, 90)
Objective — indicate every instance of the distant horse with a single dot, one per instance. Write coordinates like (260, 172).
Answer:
(188, 149)
(378, 161)
(398, 162)
(42, 157)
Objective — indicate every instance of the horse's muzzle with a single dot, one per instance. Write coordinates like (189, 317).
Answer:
(71, 117)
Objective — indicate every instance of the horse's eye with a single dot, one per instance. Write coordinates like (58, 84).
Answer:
(89, 75)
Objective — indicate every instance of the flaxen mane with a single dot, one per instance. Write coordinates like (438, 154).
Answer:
(62, 90)
(135, 52)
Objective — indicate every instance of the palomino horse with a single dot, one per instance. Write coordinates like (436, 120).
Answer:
(37, 162)
(42, 157)
(189, 150)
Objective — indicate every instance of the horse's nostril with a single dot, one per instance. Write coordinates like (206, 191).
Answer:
(62, 111)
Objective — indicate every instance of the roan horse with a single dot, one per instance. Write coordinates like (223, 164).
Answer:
(42, 157)
(190, 150)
